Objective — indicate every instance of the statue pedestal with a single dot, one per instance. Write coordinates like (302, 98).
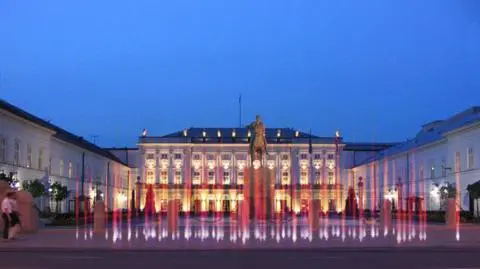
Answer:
(99, 224)
(314, 214)
(28, 213)
(386, 215)
(259, 195)
(172, 215)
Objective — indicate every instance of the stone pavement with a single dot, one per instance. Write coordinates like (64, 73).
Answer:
(411, 258)
(224, 238)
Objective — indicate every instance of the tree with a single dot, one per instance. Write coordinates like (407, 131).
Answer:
(59, 193)
(8, 178)
(447, 191)
(35, 187)
(474, 195)
(351, 205)
(474, 190)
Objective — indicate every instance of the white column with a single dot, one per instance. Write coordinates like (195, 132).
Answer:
(170, 167)
(157, 168)
(233, 170)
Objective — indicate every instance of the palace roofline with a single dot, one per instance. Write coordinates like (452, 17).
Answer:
(238, 136)
(59, 133)
(430, 133)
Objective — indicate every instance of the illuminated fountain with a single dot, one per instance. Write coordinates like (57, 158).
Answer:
(258, 210)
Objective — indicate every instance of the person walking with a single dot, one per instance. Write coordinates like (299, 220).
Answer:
(14, 217)
(6, 214)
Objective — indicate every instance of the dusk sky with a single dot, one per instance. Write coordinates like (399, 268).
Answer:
(376, 71)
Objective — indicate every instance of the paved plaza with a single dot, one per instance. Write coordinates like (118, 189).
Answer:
(214, 243)
(435, 257)
(220, 234)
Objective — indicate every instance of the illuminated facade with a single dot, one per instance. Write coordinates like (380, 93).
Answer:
(204, 169)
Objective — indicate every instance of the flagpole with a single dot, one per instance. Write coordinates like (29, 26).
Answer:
(310, 151)
(240, 108)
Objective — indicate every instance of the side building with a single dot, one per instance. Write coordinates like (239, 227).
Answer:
(411, 174)
(204, 168)
(32, 148)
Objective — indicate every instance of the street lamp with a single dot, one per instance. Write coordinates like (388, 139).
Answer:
(399, 193)
(360, 192)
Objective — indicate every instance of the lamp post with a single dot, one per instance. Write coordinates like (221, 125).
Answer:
(360, 192)
(399, 193)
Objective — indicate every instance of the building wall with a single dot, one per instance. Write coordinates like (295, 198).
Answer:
(28, 136)
(44, 157)
(126, 155)
(420, 171)
(462, 173)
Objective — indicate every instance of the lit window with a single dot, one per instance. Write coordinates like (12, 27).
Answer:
(318, 177)
(331, 156)
(226, 157)
(150, 177)
(164, 156)
(303, 156)
(29, 155)
(211, 177)
(303, 178)
(285, 157)
(210, 157)
(40, 159)
(178, 178)
(285, 178)
(163, 177)
(196, 178)
(240, 178)
(196, 157)
(331, 178)
(150, 156)
(16, 157)
(317, 156)
(470, 163)
(178, 156)
(3, 149)
(226, 178)
(62, 167)
(70, 169)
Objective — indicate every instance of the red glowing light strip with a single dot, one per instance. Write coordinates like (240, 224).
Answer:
(385, 189)
(372, 186)
(412, 188)
(129, 202)
(77, 201)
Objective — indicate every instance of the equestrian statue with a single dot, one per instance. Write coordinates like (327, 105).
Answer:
(258, 143)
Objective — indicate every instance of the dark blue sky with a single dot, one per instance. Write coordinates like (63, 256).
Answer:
(375, 69)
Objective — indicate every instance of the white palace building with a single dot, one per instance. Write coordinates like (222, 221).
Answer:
(203, 168)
